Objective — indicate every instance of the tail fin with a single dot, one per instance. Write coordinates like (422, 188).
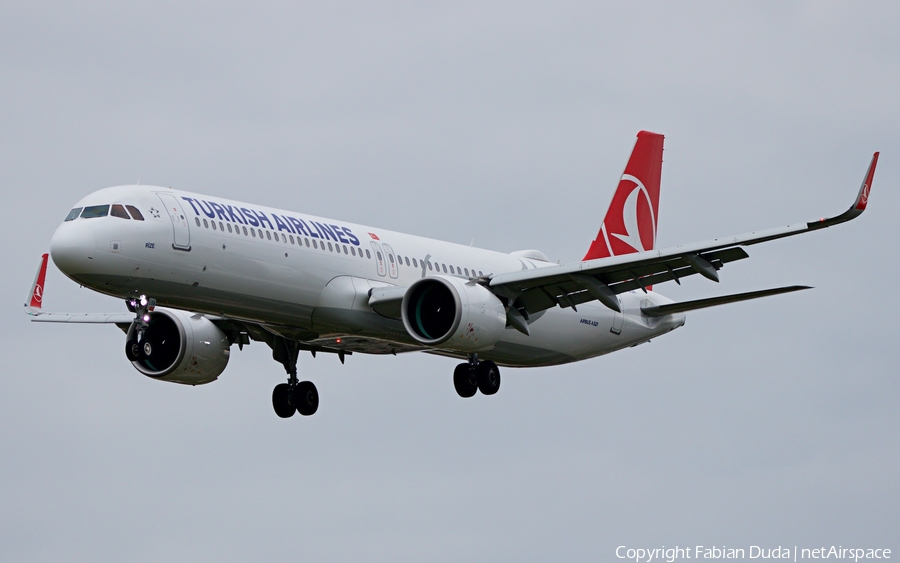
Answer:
(36, 296)
(630, 222)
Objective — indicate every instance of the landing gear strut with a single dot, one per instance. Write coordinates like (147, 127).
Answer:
(136, 347)
(299, 396)
(476, 375)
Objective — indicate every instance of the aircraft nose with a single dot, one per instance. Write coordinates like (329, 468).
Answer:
(72, 247)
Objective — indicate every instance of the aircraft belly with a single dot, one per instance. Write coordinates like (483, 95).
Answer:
(203, 299)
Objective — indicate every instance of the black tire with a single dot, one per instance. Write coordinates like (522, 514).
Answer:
(464, 381)
(281, 401)
(488, 377)
(306, 398)
(132, 350)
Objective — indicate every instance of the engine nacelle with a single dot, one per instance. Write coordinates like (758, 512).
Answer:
(180, 347)
(453, 314)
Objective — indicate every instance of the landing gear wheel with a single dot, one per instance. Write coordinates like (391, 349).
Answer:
(464, 381)
(488, 375)
(281, 400)
(306, 398)
(145, 350)
(132, 350)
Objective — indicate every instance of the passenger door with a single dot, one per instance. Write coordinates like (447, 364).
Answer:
(182, 232)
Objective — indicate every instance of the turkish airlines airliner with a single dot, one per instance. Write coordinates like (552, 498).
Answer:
(199, 274)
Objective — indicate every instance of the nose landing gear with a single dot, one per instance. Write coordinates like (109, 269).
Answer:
(136, 347)
(299, 396)
(476, 375)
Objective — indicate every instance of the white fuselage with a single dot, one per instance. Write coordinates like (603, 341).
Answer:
(309, 278)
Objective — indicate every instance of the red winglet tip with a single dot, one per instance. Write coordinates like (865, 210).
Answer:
(863, 198)
(37, 290)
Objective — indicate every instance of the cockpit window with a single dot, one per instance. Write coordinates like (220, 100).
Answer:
(135, 214)
(95, 211)
(73, 214)
(119, 211)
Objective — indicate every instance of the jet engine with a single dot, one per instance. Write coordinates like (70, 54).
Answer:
(178, 347)
(453, 314)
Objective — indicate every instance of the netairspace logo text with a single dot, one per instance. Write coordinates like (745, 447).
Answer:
(793, 553)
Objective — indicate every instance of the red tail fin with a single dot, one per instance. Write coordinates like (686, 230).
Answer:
(630, 222)
(36, 296)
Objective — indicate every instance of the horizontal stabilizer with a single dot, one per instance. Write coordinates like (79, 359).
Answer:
(663, 310)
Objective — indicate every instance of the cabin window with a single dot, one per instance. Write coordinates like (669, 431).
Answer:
(205, 224)
(292, 238)
(306, 240)
(245, 230)
(467, 271)
(406, 259)
(119, 211)
(197, 219)
(221, 226)
(330, 248)
(95, 211)
(368, 255)
(213, 225)
(229, 227)
(135, 214)
(429, 266)
(479, 273)
(415, 264)
(253, 232)
(73, 214)
(352, 251)
(391, 258)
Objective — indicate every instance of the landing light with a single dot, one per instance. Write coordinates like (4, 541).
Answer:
(338, 341)
(146, 318)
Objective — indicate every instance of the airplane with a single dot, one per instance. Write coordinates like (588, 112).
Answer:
(199, 274)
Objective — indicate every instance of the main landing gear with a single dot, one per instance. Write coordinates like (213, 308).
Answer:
(475, 376)
(299, 396)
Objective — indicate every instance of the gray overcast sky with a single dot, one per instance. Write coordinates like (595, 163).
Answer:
(766, 423)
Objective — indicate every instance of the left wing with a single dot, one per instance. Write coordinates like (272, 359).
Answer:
(531, 291)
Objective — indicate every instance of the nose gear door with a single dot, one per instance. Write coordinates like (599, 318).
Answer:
(182, 232)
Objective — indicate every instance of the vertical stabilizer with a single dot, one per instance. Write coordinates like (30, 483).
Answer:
(631, 219)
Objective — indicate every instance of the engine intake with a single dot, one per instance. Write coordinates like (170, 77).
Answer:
(449, 313)
(179, 347)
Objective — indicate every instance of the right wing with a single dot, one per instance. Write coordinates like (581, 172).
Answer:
(531, 291)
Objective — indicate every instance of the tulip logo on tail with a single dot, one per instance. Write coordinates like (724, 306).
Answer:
(631, 221)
